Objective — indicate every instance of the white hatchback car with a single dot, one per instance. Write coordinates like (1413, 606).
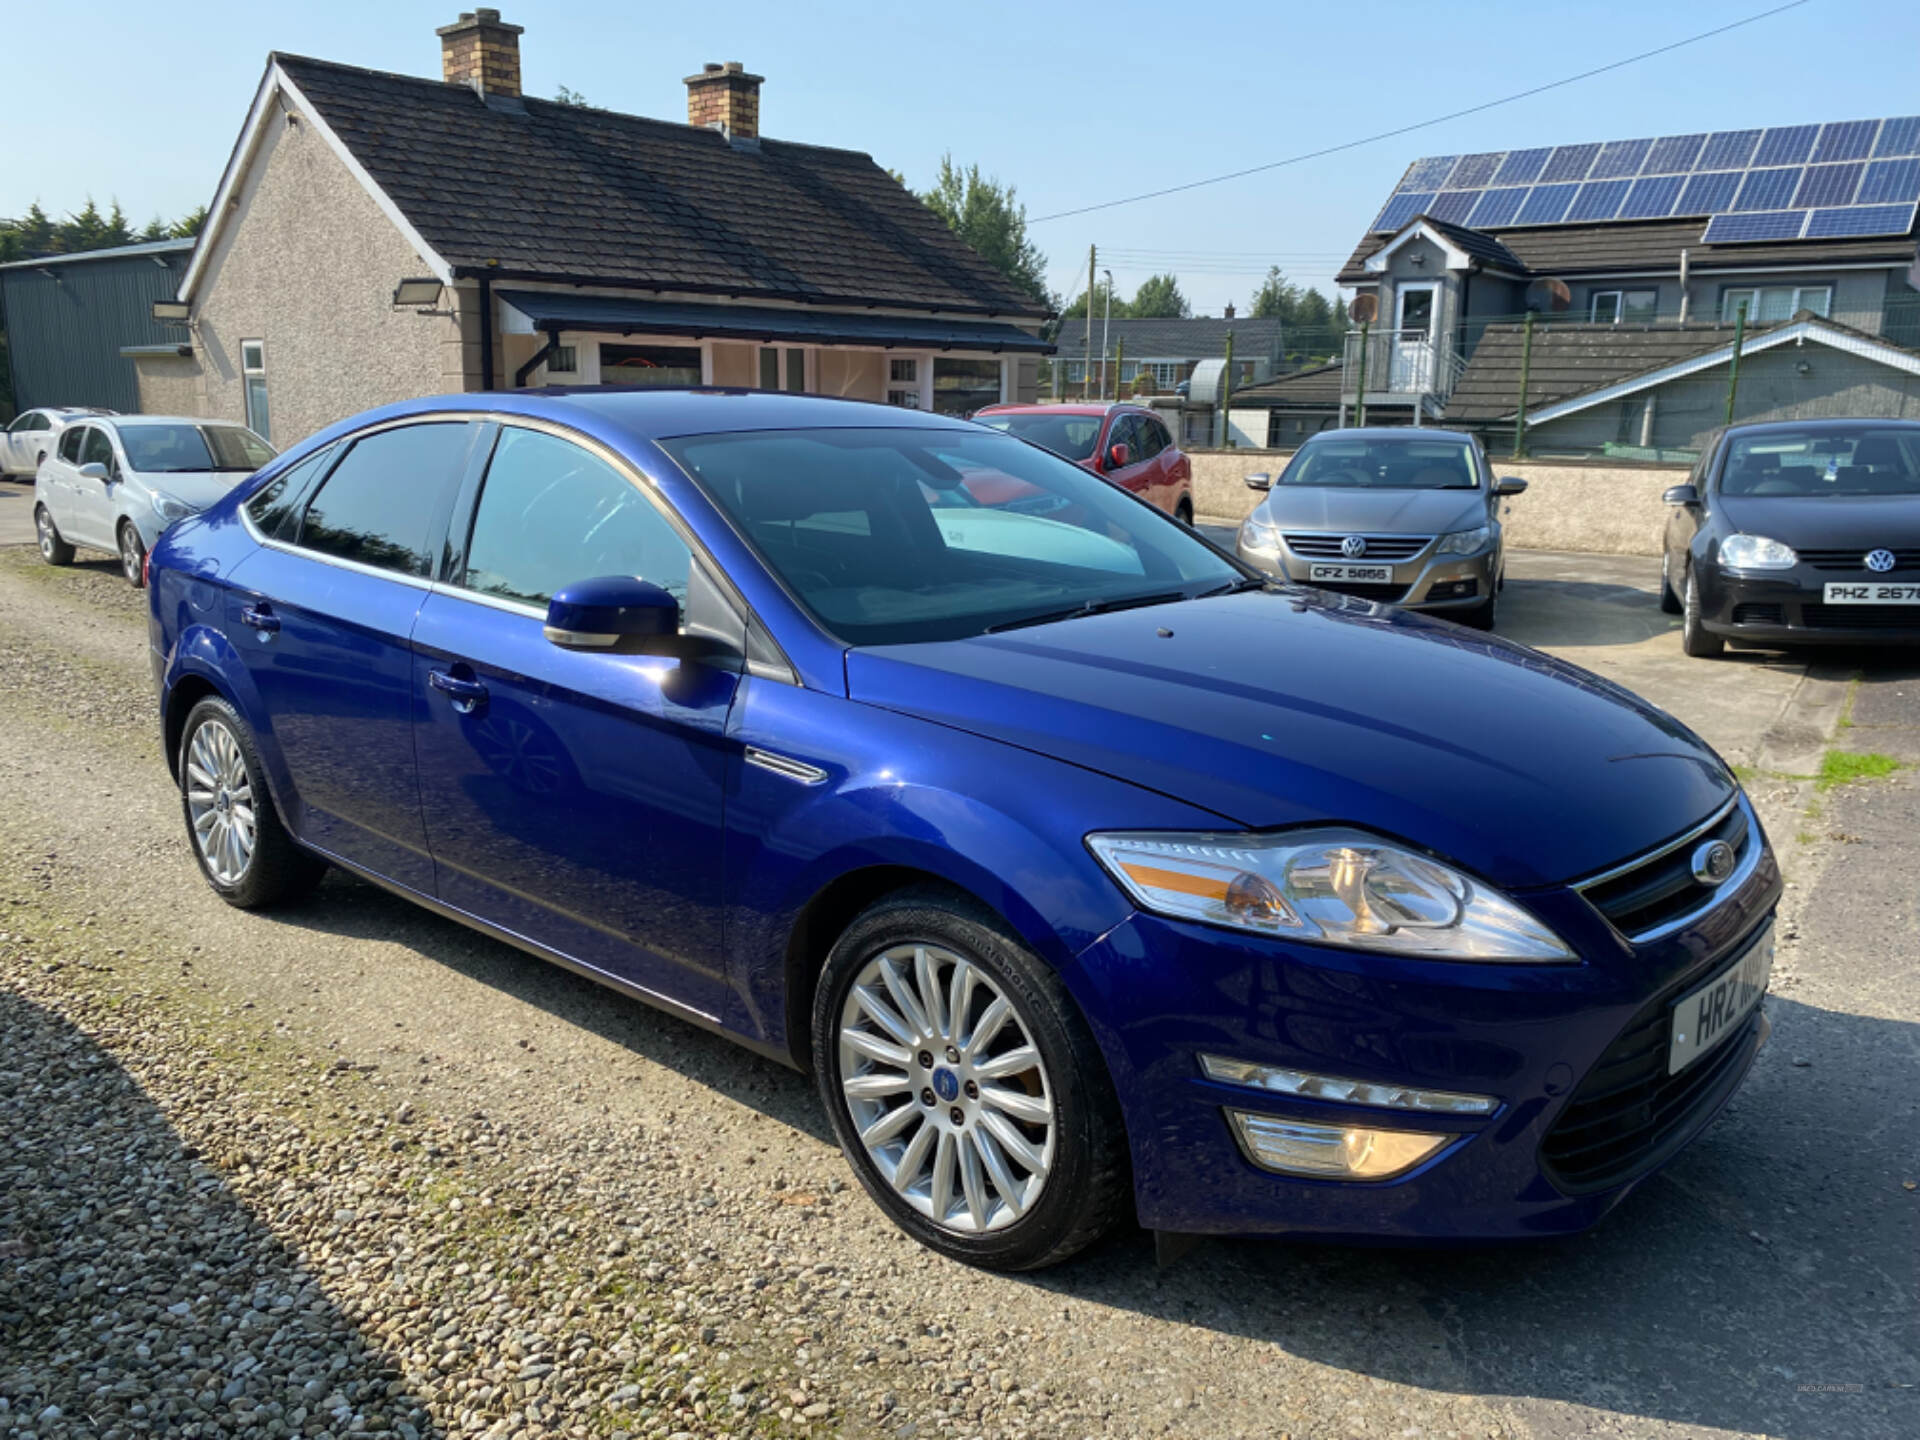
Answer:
(31, 435)
(115, 483)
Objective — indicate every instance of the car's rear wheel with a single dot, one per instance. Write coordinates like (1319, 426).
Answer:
(1695, 638)
(965, 1087)
(53, 549)
(1183, 512)
(133, 555)
(1669, 602)
(237, 835)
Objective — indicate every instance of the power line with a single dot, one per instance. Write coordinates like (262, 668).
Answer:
(1425, 124)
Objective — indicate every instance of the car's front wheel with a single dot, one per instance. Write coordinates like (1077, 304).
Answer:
(1695, 638)
(243, 847)
(53, 549)
(965, 1087)
(1669, 602)
(133, 555)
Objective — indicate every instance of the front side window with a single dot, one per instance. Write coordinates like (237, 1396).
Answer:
(377, 507)
(26, 422)
(70, 444)
(97, 449)
(1770, 304)
(253, 375)
(552, 513)
(1437, 464)
(896, 536)
(1826, 461)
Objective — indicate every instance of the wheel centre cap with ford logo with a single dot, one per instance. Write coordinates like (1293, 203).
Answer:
(1880, 561)
(1354, 546)
(1713, 862)
(946, 1084)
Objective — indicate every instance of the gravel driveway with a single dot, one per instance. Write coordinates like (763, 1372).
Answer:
(352, 1169)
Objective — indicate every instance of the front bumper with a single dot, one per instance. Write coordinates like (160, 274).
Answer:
(1789, 607)
(1426, 581)
(1168, 992)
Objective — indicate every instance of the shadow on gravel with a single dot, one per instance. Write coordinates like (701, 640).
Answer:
(1761, 1283)
(138, 1295)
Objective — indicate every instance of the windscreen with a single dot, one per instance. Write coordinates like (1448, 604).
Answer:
(171, 449)
(1832, 461)
(889, 536)
(1072, 436)
(1443, 463)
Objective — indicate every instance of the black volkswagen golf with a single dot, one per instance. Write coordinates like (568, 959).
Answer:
(1797, 531)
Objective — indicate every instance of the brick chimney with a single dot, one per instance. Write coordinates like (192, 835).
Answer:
(478, 50)
(1229, 314)
(727, 99)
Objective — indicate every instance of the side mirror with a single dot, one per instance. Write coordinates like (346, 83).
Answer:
(94, 470)
(1509, 485)
(1260, 480)
(615, 613)
(1119, 457)
(1682, 495)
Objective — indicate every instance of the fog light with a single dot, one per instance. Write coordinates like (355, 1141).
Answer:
(1333, 1152)
(1347, 1092)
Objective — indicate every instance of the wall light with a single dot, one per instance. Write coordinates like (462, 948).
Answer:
(417, 294)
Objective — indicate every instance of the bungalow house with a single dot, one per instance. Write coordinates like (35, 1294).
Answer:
(1639, 258)
(379, 236)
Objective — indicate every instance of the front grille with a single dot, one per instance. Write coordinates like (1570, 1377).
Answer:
(1856, 559)
(1817, 616)
(1385, 594)
(1384, 549)
(1629, 1114)
(1658, 889)
(1752, 613)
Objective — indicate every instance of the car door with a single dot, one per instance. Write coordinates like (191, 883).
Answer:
(17, 456)
(574, 798)
(324, 622)
(91, 501)
(1135, 476)
(58, 477)
(1153, 454)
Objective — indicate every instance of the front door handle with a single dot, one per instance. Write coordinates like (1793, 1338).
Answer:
(261, 618)
(467, 695)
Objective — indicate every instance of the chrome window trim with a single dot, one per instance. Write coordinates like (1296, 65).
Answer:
(418, 582)
(1731, 885)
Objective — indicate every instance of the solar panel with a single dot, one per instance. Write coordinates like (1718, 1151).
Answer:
(1848, 140)
(1888, 181)
(1622, 157)
(1787, 145)
(1570, 162)
(1652, 198)
(1856, 220)
(1767, 189)
(1829, 184)
(1787, 178)
(1898, 137)
(1755, 225)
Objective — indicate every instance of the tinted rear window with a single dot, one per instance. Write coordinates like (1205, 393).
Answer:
(378, 505)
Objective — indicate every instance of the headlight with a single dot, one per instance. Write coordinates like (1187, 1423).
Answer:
(1464, 542)
(1331, 887)
(1257, 534)
(1756, 552)
(168, 508)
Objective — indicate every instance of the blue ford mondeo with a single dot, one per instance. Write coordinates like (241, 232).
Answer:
(1091, 873)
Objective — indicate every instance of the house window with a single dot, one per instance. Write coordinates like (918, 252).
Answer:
(783, 369)
(1166, 373)
(1611, 307)
(253, 376)
(650, 364)
(961, 387)
(1769, 303)
(564, 360)
(903, 383)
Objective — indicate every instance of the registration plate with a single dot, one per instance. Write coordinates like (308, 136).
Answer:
(1380, 573)
(1714, 1011)
(1872, 593)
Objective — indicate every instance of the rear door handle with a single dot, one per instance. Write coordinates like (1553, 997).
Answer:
(467, 695)
(261, 618)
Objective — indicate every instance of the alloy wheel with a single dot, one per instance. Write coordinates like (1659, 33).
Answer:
(43, 523)
(220, 802)
(946, 1088)
(131, 560)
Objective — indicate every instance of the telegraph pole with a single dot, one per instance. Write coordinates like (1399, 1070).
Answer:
(1086, 376)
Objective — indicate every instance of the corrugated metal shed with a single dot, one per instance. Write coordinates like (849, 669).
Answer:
(68, 317)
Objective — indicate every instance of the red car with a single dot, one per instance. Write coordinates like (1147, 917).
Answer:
(1127, 444)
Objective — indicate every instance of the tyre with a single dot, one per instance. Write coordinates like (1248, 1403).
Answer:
(1183, 512)
(53, 549)
(133, 555)
(1480, 617)
(236, 833)
(1669, 602)
(965, 1088)
(1695, 638)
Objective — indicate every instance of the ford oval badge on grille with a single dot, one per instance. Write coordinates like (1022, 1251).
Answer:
(1880, 561)
(1354, 546)
(1713, 862)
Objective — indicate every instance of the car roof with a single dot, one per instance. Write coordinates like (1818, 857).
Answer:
(123, 421)
(1389, 432)
(1066, 407)
(1836, 422)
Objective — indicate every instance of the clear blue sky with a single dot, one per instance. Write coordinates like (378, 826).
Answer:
(1072, 104)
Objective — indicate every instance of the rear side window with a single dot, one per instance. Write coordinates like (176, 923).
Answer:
(378, 506)
(1155, 435)
(274, 509)
(70, 444)
(552, 513)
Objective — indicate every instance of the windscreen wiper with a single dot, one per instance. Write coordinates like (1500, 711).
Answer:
(1090, 607)
(1234, 587)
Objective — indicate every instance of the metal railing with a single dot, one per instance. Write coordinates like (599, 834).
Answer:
(1402, 362)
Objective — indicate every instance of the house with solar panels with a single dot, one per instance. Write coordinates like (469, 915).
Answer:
(1639, 260)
